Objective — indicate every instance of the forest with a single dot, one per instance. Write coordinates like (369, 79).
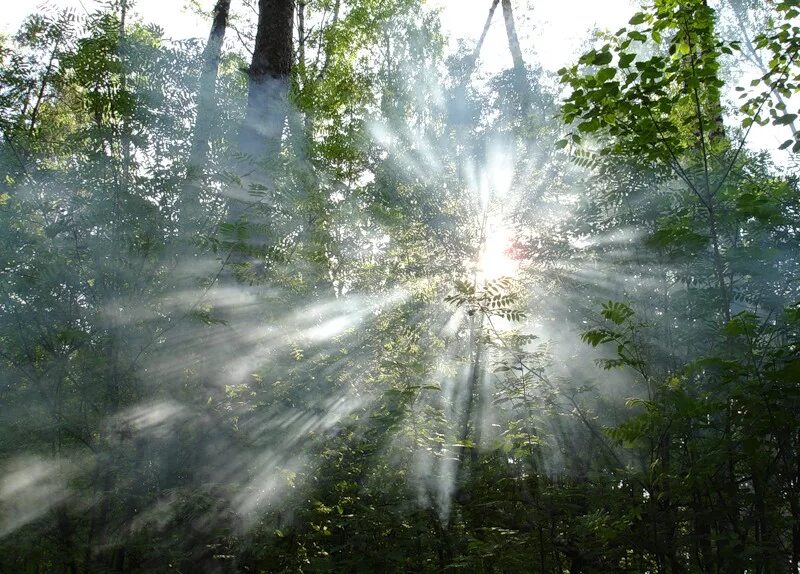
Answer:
(325, 291)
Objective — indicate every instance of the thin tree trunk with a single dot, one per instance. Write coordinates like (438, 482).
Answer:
(206, 94)
(477, 51)
(43, 87)
(794, 506)
(125, 130)
(513, 39)
(520, 70)
(469, 419)
(459, 113)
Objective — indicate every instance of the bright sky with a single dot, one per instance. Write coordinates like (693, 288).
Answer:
(558, 27)
(171, 15)
(551, 31)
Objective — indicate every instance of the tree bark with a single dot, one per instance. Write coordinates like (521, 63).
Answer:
(513, 39)
(520, 70)
(206, 95)
(477, 51)
(268, 81)
(459, 112)
(267, 106)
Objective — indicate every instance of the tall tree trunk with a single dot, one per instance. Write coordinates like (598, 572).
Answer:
(268, 81)
(513, 39)
(794, 505)
(206, 100)
(459, 112)
(267, 106)
(469, 419)
(107, 481)
(520, 70)
(695, 29)
(477, 51)
(206, 117)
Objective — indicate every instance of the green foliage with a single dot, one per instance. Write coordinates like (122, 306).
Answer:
(218, 372)
(496, 298)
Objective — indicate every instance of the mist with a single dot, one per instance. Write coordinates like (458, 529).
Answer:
(347, 286)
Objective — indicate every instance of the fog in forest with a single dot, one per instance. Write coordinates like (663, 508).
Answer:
(400, 286)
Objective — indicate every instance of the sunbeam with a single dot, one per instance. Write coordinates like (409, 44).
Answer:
(401, 286)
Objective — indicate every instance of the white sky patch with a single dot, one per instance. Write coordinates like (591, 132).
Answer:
(173, 16)
(553, 31)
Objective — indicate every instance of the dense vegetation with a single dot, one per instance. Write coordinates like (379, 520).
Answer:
(319, 295)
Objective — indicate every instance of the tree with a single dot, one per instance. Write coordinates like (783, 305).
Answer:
(276, 333)
(268, 80)
(206, 106)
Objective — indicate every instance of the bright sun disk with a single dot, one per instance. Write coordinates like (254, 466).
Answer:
(495, 260)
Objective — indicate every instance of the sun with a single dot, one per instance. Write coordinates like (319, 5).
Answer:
(495, 259)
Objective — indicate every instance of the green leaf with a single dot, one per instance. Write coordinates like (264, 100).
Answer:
(625, 59)
(596, 337)
(785, 119)
(606, 74)
(616, 312)
(602, 58)
(742, 323)
(589, 126)
(637, 19)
